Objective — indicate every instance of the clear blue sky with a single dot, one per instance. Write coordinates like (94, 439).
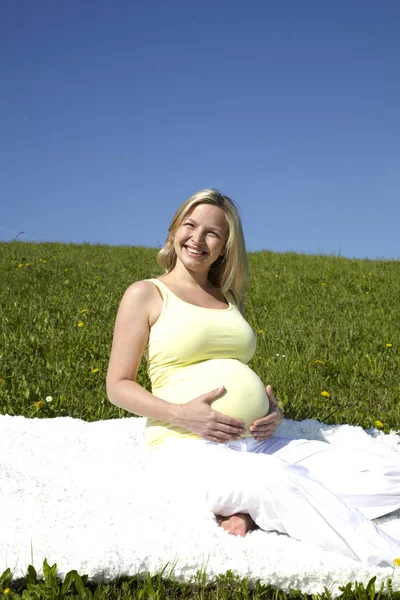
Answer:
(113, 113)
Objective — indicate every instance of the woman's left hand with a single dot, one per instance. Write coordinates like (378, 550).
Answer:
(264, 428)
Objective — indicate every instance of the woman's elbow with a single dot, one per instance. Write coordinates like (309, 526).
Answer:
(112, 389)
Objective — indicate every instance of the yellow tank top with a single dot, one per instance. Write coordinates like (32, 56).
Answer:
(193, 350)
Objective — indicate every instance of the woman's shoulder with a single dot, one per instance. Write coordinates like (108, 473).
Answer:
(142, 292)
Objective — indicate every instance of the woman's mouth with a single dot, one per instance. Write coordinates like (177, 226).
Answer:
(194, 252)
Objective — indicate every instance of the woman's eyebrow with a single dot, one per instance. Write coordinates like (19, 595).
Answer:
(195, 223)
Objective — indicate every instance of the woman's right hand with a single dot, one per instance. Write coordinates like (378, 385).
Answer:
(198, 416)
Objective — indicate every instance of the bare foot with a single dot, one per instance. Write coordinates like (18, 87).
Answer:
(238, 524)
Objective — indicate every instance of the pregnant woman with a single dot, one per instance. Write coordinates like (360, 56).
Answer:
(210, 419)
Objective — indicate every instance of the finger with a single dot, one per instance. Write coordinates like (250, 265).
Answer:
(213, 395)
(264, 421)
(268, 432)
(269, 390)
(262, 430)
(228, 430)
(271, 395)
(270, 426)
(262, 435)
(230, 422)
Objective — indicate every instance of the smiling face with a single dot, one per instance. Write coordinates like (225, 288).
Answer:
(201, 237)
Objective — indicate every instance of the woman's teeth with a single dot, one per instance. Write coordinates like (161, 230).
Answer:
(194, 252)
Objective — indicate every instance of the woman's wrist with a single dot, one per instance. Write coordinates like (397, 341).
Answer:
(175, 414)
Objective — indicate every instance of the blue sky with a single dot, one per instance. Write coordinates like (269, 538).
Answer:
(113, 113)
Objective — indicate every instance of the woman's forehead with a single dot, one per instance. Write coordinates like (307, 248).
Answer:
(208, 213)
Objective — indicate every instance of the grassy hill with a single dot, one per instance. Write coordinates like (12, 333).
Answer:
(327, 327)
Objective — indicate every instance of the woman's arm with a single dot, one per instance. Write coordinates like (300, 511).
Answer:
(132, 326)
(264, 428)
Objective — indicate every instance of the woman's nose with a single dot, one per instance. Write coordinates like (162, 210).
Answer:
(197, 236)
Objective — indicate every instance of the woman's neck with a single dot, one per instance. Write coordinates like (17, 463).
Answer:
(182, 276)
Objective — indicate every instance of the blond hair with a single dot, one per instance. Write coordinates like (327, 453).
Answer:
(229, 272)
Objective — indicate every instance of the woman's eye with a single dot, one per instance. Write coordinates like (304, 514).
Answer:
(188, 224)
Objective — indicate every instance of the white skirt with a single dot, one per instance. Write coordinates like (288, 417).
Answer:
(309, 490)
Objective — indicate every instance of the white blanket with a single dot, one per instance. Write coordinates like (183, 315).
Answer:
(75, 493)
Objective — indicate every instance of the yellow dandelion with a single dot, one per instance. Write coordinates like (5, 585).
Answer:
(42, 260)
(86, 262)
(318, 362)
(6, 591)
(323, 283)
(39, 404)
(84, 310)
(80, 324)
(389, 345)
(95, 370)
(396, 562)
(277, 276)
(260, 331)
(378, 424)
(370, 273)
(20, 266)
(27, 264)
(66, 270)
(367, 292)
(325, 394)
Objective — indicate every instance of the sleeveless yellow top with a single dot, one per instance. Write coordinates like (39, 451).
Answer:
(193, 350)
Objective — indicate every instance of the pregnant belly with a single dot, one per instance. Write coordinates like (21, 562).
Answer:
(245, 397)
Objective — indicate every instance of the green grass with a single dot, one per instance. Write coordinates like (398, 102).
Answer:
(305, 308)
(47, 586)
(341, 313)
